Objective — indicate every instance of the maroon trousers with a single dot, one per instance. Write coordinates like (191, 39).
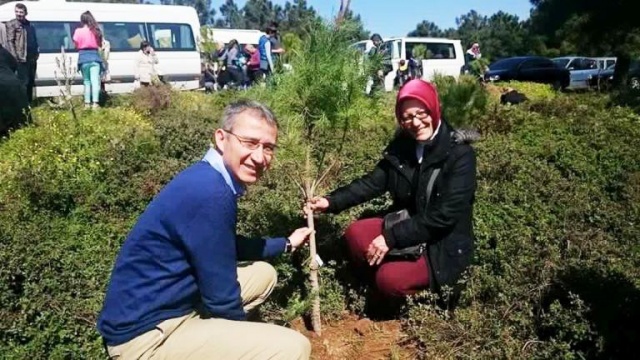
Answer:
(392, 278)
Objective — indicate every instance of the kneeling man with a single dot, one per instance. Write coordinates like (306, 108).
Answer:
(177, 290)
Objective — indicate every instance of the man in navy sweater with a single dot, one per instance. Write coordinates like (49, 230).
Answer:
(177, 290)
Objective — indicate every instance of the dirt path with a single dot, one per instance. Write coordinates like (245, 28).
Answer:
(353, 339)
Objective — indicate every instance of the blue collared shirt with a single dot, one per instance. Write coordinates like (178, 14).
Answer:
(214, 158)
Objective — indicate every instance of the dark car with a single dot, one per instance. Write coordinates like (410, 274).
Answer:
(604, 78)
(529, 68)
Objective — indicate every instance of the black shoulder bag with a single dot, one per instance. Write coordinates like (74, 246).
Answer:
(411, 252)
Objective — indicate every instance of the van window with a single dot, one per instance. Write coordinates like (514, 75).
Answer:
(171, 37)
(583, 64)
(360, 47)
(435, 51)
(124, 36)
(390, 49)
(54, 35)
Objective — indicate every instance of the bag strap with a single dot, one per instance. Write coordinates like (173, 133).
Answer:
(431, 183)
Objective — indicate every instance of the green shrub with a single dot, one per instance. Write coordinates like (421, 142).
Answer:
(69, 194)
(463, 101)
(151, 99)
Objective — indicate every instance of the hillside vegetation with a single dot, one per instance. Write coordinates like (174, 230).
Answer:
(557, 215)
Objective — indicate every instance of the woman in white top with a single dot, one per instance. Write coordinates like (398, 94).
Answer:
(146, 62)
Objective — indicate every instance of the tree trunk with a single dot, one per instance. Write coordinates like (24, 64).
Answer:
(621, 72)
(313, 263)
(344, 8)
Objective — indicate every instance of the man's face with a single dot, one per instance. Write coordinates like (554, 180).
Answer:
(249, 131)
(20, 14)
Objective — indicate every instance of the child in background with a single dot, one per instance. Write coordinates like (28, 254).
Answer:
(253, 65)
(402, 74)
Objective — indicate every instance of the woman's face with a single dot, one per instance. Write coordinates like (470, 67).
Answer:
(416, 120)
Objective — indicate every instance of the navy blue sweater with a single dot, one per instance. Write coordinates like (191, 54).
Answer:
(182, 252)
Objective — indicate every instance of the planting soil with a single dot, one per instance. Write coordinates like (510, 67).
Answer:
(354, 339)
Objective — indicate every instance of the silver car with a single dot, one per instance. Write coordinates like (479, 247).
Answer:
(582, 69)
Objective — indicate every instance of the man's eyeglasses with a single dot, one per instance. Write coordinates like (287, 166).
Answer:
(408, 118)
(253, 144)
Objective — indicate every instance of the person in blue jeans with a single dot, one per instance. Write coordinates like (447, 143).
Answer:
(88, 40)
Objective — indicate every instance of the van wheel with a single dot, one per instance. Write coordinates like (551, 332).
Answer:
(634, 83)
(557, 85)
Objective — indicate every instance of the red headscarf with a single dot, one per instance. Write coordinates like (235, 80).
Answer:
(424, 92)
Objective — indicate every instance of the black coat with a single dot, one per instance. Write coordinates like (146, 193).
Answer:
(446, 223)
(13, 95)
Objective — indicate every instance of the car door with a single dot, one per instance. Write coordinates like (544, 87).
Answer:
(391, 59)
(530, 70)
(539, 70)
(581, 70)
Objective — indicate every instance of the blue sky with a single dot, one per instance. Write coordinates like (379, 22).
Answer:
(398, 17)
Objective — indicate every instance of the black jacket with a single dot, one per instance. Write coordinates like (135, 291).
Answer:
(13, 96)
(446, 223)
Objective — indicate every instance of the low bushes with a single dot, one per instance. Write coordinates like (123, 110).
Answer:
(555, 275)
(70, 191)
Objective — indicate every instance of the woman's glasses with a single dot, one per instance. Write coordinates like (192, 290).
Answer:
(408, 118)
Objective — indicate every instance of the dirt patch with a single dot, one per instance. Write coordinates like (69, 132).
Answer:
(353, 339)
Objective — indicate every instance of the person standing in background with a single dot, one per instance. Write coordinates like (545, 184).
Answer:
(266, 55)
(473, 53)
(22, 43)
(276, 46)
(88, 41)
(146, 64)
(105, 51)
(253, 65)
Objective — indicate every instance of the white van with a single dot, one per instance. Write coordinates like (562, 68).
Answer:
(243, 36)
(444, 56)
(171, 30)
(362, 46)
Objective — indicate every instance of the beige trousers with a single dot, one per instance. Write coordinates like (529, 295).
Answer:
(192, 337)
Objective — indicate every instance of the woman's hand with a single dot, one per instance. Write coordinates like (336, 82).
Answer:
(317, 204)
(377, 250)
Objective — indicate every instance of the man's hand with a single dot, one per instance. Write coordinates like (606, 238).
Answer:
(317, 204)
(299, 237)
(377, 250)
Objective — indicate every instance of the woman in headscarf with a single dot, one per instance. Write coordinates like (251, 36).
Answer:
(429, 169)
